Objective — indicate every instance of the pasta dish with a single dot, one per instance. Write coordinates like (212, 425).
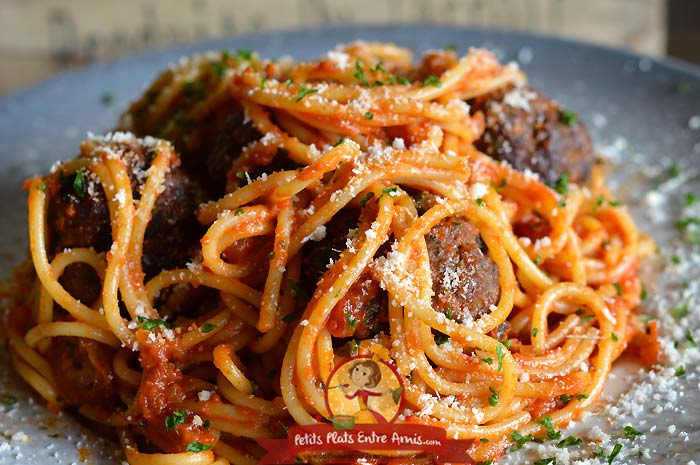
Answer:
(198, 276)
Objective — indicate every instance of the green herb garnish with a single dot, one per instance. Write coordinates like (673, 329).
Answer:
(304, 91)
(196, 446)
(547, 423)
(177, 418)
(208, 327)
(567, 117)
(493, 400)
(432, 81)
(79, 184)
(150, 324)
(631, 433)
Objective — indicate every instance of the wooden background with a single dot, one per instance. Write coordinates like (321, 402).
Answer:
(41, 37)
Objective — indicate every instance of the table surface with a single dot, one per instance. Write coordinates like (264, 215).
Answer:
(43, 37)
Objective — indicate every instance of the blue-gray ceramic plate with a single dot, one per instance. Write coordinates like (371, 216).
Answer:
(644, 115)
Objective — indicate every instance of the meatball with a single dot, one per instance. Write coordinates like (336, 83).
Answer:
(230, 139)
(465, 278)
(83, 371)
(78, 215)
(531, 131)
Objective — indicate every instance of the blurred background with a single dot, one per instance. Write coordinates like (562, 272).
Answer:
(39, 38)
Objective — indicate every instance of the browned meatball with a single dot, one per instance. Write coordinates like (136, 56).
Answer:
(232, 136)
(78, 215)
(465, 278)
(531, 131)
(83, 371)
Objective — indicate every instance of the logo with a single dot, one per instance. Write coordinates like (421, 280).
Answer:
(364, 397)
(363, 391)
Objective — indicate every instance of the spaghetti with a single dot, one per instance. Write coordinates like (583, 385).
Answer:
(361, 131)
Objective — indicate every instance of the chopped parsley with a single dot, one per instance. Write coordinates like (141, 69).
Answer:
(360, 74)
(680, 312)
(493, 400)
(618, 288)
(219, 68)
(485, 462)
(196, 446)
(243, 54)
(366, 198)
(615, 452)
(263, 83)
(499, 187)
(581, 397)
(614, 337)
(304, 91)
(448, 313)
(369, 115)
(565, 397)
(340, 141)
(177, 418)
(562, 184)
(432, 81)
(519, 441)
(79, 184)
(643, 293)
(685, 222)
(403, 81)
(441, 339)
(208, 327)
(534, 332)
(569, 441)
(8, 400)
(675, 259)
(239, 211)
(150, 324)
(547, 461)
(680, 371)
(499, 356)
(350, 319)
(567, 117)
(390, 191)
(479, 201)
(690, 199)
(42, 188)
(674, 170)
(631, 433)
(689, 338)
(483, 440)
(598, 203)
(547, 423)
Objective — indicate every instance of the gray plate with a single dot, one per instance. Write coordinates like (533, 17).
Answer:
(650, 103)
